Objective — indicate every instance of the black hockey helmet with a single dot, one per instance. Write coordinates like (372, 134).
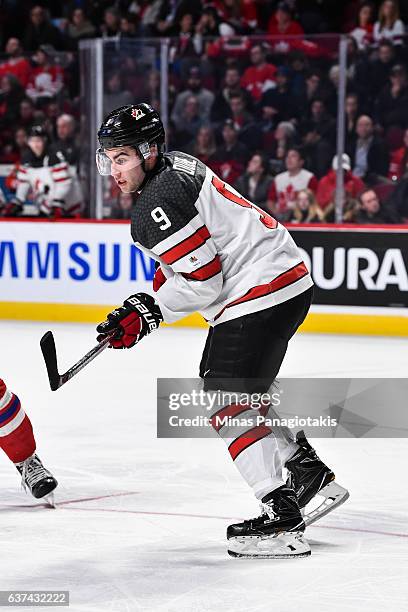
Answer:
(39, 131)
(134, 125)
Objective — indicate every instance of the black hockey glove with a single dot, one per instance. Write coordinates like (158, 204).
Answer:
(138, 316)
(14, 208)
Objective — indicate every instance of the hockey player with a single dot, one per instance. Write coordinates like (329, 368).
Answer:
(45, 176)
(222, 256)
(17, 441)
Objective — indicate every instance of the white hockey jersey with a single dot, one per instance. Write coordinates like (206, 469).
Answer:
(220, 254)
(49, 180)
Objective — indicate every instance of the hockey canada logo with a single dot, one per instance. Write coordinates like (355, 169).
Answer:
(137, 113)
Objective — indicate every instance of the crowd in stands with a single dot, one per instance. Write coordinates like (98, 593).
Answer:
(253, 92)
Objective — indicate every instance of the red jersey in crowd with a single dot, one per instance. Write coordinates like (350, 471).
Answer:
(398, 163)
(21, 69)
(292, 29)
(353, 185)
(257, 80)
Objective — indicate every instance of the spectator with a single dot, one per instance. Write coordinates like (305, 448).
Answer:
(79, 27)
(368, 153)
(240, 15)
(204, 146)
(380, 68)
(194, 88)
(285, 186)
(249, 133)
(357, 67)
(123, 207)
(392, 103)
(187, 130)
(277, 102)
(20, 141)
(282, 24)
(352, 113)
(115, 93)
(284, 139)
(232, 155)
(128, 26)
(16, 63)
(389, 25)
(27, 115)
(209, 24)
(298, 70)
(313, 89)
(306, 209)
(46, 80)
(186, 45)
(326, 190)
(12, 151)
(318, 138)
(40, 31)
(399, 160)
(255, 183)
(66, 141)
(370, 210)
(11, 94)
(260, 76)
(111, 22)
(363, 32)
(398, 201)
(221, 109)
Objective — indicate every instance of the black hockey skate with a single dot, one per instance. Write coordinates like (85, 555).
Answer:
(36, 478)
(308, 477)
(276, 534)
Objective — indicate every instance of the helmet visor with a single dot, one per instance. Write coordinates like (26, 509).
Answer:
(119, 161)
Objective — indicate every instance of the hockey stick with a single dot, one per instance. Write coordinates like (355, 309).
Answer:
(49, 352)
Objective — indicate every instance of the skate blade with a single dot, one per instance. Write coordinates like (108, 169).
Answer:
(49, 500)
(282, 546)
(334, 496)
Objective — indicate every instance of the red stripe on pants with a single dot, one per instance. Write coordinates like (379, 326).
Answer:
(247, 439)
(229, 411)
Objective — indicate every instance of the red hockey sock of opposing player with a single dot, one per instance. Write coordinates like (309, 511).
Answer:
(16, 432)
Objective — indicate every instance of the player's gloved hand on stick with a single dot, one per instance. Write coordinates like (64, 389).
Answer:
(138, 316)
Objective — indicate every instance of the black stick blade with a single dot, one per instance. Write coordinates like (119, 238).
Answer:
(49, 352)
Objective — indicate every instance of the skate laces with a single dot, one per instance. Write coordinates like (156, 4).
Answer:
(32, 472)
(266, 510)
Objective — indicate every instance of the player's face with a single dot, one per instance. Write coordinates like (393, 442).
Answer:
(37, 145)
(126, 168)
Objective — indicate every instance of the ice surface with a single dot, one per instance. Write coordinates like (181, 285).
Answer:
(141, 522)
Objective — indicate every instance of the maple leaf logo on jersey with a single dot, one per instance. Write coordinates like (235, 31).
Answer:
(137, 113)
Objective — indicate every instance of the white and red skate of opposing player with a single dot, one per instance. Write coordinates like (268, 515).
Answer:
(18, 442)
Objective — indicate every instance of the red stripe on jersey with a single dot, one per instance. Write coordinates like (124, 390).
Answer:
(59, 168)
(22, 170)
(59, 180)
(187, 245)
(247, 439)
(159, 279)
(283, 280)
(229, 411)
(264, 217)
(205, 272)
